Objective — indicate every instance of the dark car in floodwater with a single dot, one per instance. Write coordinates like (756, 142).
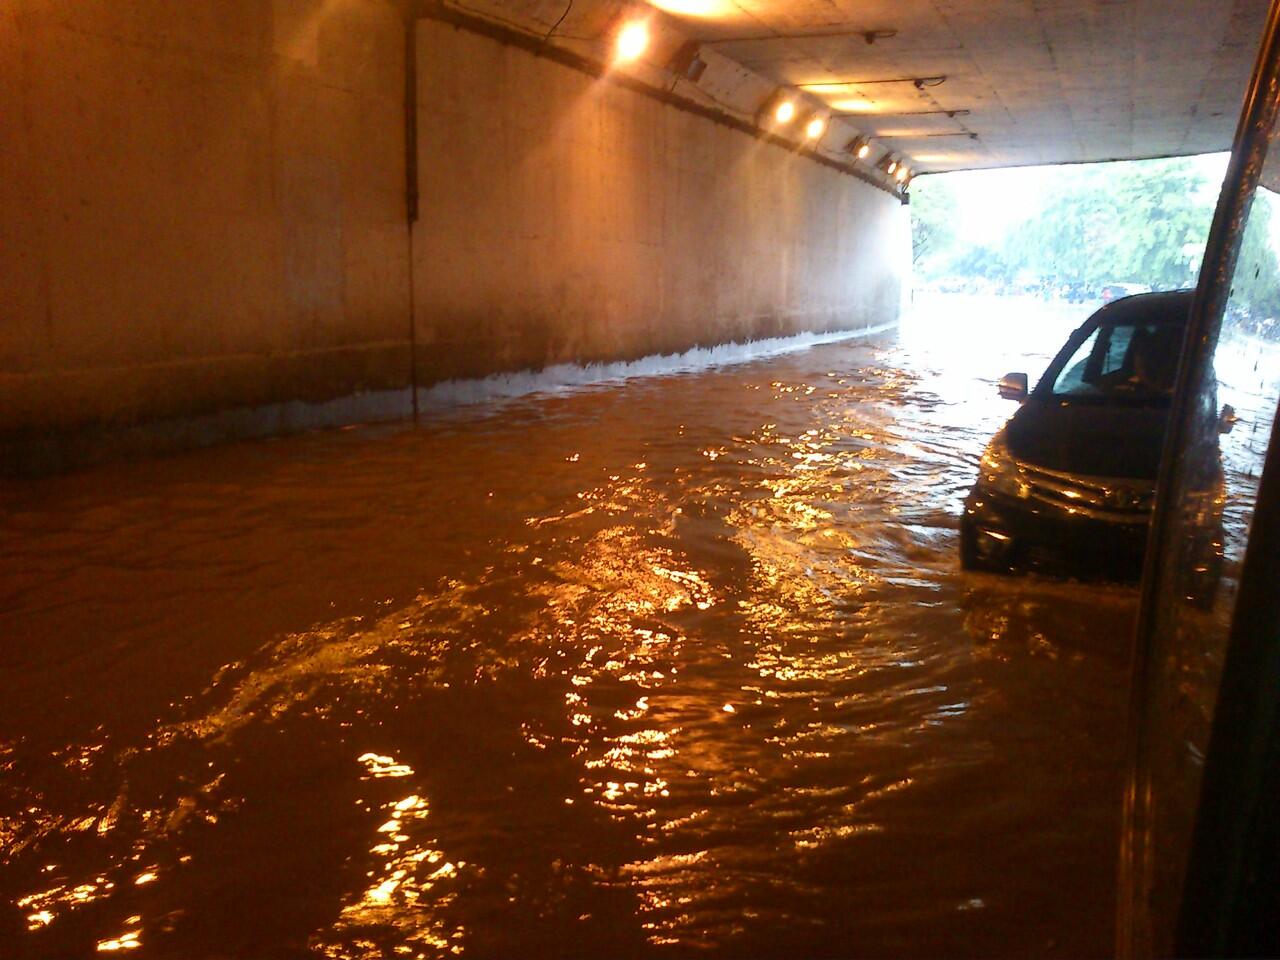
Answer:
(1068, 485)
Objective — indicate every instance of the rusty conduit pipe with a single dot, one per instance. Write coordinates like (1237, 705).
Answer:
(413, 12)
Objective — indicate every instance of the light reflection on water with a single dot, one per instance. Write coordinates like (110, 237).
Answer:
(410, 885)
(681, 666)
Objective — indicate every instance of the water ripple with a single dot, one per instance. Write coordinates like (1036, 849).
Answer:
(685, 666)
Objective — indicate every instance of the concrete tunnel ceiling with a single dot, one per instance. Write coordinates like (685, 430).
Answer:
(1026, 81)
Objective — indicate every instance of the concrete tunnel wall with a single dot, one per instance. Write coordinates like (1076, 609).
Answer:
(567, 218)
(203, 227)
(201, 208)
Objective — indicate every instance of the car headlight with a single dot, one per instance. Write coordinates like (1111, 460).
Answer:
(1000, 472)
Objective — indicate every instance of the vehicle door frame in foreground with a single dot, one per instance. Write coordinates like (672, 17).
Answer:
(1225, 907)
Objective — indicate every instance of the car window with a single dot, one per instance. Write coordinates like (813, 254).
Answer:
(1071, 382)
(1116, 350)
(1122, 362)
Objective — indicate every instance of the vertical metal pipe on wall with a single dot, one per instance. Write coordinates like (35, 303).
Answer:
(412, 14)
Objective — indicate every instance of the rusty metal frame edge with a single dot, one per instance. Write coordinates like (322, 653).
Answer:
(1213, 288)
(1242, 745)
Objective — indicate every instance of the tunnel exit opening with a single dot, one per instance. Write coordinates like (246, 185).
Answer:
(1078, 233)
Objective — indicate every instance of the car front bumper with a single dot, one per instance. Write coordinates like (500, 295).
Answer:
(1009, 533)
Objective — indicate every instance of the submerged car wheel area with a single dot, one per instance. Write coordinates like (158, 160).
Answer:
(1068, 485)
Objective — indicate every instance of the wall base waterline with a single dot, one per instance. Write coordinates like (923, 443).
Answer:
(51, 452)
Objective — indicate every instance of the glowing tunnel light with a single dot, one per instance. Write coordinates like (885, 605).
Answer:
(859, 146)
(633, 40)
(815, 128)
(785, 112)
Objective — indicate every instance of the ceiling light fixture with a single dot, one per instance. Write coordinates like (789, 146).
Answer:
(778, 110)
(815, 128)
(871, 36)
(687, 62)
(918, 82)
(633, 40)
(859, 146)
(926, 113)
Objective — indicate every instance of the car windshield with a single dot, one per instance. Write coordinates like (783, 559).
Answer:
(1122, 362)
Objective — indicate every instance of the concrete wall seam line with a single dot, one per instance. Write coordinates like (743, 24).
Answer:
(539, 47)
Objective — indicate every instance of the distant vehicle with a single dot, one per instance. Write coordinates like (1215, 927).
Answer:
(1068, 485)
(1114, 291)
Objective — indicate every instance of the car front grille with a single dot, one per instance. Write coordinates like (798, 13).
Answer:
(1117, 500)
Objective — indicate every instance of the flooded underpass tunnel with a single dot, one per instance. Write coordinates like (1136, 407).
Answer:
(672, 665)
(502, 479)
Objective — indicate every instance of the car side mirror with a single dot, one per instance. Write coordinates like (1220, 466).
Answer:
(1228, 418)
(1013, 386)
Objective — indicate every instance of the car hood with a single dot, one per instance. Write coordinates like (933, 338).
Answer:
(1096, 439)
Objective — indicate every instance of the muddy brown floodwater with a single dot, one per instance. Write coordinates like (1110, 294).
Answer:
(681, 666)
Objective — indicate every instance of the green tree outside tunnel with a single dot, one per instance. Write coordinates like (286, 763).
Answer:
(1142, 222)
